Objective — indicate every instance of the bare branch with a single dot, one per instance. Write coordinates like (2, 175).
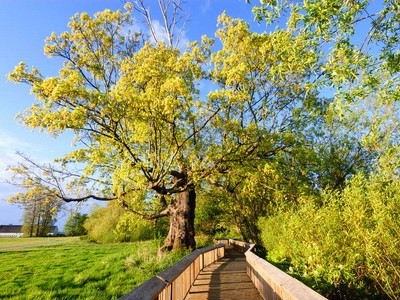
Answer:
(174, 19)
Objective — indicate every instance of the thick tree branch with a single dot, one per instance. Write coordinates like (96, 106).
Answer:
(163, 213)
(81, 199)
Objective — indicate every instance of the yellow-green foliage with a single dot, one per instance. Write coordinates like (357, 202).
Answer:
(350, 243)
(112, 224)
(133, 228)
(102, 223)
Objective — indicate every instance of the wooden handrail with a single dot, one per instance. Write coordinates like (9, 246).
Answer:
(175, 282)
(271, 282)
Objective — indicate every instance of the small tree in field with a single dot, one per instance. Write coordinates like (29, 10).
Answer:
(74, 225)
(40, 209)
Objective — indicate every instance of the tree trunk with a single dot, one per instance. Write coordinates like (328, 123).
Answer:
(38, 226)
(181, 217)
(32, 223)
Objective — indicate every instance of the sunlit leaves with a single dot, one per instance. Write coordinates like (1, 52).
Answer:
(40, 205)
(133, 105)
(350, 241)
(265, 85)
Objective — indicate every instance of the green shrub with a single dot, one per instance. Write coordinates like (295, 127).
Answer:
(75, 225)
(102, 221)
(112, 224)
(348, 245)
(130, 228)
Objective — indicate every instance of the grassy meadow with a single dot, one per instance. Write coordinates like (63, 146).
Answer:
(65, 268)
(27, 242)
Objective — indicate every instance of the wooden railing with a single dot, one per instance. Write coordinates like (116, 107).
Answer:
(271, 282)
(174, 283)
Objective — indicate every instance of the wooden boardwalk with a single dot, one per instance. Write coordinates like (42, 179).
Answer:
(225, 279)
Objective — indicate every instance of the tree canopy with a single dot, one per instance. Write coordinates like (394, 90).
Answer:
(143, 128)
(292, 111)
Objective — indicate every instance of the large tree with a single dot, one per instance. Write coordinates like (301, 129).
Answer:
(131, 105)
(146, 135)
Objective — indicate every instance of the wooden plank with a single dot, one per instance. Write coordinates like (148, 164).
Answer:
(173, 272)
(225, 279)
(166, 294)
(235, 276)
(267, 278)
(164, 287)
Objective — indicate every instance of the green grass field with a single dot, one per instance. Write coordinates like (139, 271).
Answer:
(25, 242)
(75, 269)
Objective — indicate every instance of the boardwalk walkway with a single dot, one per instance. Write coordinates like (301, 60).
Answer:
(225, 279)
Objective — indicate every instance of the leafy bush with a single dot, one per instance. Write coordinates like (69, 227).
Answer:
(75, 225)
(133, 229)
(346, 247)
(112, 224)
(102, 221)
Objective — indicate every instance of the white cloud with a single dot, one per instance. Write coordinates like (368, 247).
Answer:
(9, 145)
(7, 190)
(7, 141)
(183, 42)
(159, 32)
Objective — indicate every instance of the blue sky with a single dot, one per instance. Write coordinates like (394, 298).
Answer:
(24, 24)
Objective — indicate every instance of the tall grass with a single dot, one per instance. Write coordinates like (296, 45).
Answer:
(79, 269)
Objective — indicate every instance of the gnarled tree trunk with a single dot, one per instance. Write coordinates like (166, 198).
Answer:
(181, 216)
